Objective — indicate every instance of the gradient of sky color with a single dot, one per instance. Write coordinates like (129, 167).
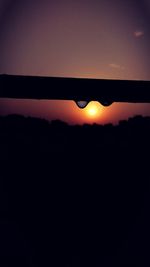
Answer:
(101, 39)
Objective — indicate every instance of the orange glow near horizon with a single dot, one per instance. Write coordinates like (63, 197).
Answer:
(69, 112)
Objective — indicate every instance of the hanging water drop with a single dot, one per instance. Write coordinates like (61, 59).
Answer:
(82, 104)
(106, 103)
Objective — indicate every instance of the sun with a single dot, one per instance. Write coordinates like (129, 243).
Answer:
(93, 110)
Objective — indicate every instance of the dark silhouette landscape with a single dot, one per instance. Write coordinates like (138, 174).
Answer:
(74, 195)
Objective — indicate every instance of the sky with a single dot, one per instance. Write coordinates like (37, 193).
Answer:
(80, 38)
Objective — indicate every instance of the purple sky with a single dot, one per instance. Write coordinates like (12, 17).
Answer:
(102, 39)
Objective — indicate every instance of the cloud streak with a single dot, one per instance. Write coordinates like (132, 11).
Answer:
(116, 66)
(138, 34)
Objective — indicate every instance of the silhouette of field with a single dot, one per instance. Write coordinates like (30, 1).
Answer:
(74, 195)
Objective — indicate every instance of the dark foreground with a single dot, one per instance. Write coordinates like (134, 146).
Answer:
(72, 195)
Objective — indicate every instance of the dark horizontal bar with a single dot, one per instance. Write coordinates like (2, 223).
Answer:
(102, 90)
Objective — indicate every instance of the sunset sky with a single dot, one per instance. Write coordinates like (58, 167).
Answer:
(80, 38)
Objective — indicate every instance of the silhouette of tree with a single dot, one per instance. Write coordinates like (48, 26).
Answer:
(74, 195)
